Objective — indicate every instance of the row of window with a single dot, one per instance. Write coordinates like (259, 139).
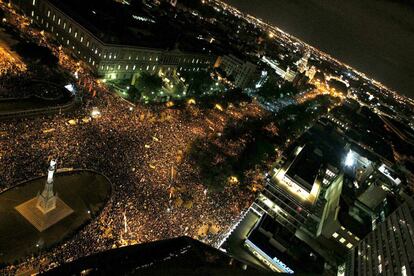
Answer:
(68, 28)
(147, 68)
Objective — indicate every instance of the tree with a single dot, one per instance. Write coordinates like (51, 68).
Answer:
(149, 85)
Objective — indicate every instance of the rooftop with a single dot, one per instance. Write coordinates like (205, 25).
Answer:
(305, 167)
(137, 24)
(178, 256)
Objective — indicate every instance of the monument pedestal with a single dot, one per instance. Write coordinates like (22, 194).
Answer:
(41, 221)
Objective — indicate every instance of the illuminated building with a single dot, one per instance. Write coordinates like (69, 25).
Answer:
(311, 73)
(242, 71)
(389, 249)
(283, 71)
(302, 64)
(111, 56)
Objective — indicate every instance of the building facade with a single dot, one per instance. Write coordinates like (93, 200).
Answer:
(387, 250)
(243, 72)
(109, 61)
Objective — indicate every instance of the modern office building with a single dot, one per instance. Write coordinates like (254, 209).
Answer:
(313, 193)
(389, 249)
(113, 54)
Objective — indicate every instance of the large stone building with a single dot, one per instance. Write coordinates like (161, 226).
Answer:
(90, 38)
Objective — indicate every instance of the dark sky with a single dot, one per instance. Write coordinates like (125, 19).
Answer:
(374, 36)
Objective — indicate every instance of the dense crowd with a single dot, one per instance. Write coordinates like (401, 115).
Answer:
(143, 151)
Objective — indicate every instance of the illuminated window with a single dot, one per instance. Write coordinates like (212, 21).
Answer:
(76, 34)
(126, 67)
(67, 42)
(48, 13)
(59, 21)
(54, 16)
(349, 245)
(335, 235)
(70, 29)
(119, 67)
(64, 25)
(34, 2)
(341, 240)
(133, 68)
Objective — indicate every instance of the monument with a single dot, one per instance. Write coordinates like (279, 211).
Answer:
(45, 209)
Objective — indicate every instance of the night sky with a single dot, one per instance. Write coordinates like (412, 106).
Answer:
(374, 36)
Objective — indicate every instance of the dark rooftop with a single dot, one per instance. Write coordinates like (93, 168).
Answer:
(178, 256)
(299, 257)
(138, 24)
(305, 167)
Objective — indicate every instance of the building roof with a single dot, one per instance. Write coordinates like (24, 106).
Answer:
(305, 167)
(270, 236)
(137, 24)
(178, 256)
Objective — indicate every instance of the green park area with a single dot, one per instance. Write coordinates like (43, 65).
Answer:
(161, 87)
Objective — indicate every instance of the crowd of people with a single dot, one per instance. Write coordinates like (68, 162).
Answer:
(143, 150)
(10, 70)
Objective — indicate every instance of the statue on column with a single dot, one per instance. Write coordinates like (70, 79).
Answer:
(46, 201)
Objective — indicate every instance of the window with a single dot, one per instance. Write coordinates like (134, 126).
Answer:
(349, 245)
(341, 240)
(76, 34)
(34, 2)
(59, 21)
(48, 13)
(64, 25)
(70, 29)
